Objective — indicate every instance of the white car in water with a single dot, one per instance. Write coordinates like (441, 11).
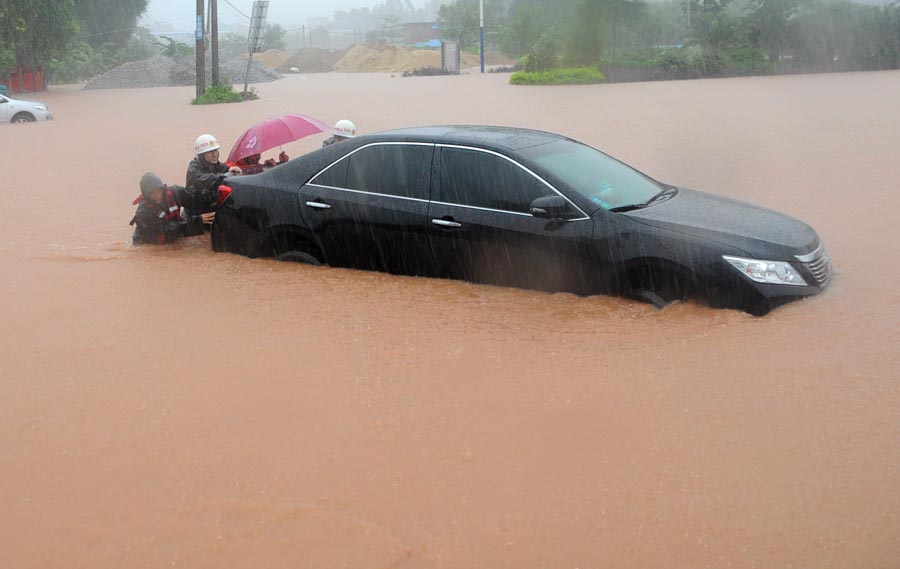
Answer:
(18, 111)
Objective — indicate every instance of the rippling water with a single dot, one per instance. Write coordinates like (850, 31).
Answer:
(175, 407)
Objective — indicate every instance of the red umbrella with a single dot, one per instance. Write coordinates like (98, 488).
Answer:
(274, 132)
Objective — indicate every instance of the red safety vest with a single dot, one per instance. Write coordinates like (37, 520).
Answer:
(168, 212)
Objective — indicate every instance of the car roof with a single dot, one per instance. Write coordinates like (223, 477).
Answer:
(510, 138)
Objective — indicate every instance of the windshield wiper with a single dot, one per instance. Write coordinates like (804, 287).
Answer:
(628, 207)
(663, 194)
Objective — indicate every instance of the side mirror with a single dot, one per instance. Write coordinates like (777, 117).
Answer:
(550, 207)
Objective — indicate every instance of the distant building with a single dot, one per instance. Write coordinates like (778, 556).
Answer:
(418, 32)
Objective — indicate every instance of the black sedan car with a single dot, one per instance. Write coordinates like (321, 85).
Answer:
(521, 208)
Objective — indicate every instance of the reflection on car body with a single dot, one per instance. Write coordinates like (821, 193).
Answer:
(520, 208)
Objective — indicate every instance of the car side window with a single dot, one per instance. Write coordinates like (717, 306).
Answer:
(481, 179)
(335, 176)
(393, 169)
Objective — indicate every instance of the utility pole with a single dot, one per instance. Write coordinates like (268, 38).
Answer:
(201, 51)
(689, 16)
(254, 38)
(214, 46)
(481, 19)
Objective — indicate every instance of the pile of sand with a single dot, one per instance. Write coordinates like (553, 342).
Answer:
(312, 60)
(363, 58)
(273, 58)
(397, 59)
(390, 58)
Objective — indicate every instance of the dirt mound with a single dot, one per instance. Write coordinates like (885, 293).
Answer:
(272, 58)
(312, 60)
(153, 72)
(395, 59)
(389, 58)
(161, 71)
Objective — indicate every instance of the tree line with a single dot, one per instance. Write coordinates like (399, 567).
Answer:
(36, 33)
(77, 40)
(73, 40)
(706, 37)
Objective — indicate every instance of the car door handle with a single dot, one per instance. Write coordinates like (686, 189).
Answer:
(445, 223)
(318, 205)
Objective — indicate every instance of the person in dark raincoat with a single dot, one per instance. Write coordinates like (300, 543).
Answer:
(159, 218)
(204, 175)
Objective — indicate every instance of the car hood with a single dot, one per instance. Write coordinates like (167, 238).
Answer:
(25, 103)
(757, 231)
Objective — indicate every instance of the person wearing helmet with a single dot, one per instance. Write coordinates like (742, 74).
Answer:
(204, 175)
(159, 218)
(343, 129)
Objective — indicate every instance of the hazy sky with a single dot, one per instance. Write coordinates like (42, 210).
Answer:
(181, 14)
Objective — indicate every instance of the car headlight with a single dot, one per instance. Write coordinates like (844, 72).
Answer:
(41, 107)
(771, 272)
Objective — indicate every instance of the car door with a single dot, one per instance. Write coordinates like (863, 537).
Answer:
(481, 229)
(4, 109)
(368, 209)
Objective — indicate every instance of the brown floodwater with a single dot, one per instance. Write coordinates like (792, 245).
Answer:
(174, 407)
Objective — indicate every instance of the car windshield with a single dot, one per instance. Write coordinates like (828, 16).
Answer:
(598, 177)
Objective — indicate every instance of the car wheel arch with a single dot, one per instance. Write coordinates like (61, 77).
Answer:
(23, 117)
(283, 240)
(656, 281)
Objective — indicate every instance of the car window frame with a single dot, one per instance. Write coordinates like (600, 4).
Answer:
(347, 156)
(436, 182)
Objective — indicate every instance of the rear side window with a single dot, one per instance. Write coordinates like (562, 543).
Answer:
(335, 176)
(393, 169)
(480, 179)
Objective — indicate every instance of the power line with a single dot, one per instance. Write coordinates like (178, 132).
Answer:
(233, 7)
(107, 32)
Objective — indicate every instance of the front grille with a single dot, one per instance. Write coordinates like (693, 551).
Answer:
(818, 264)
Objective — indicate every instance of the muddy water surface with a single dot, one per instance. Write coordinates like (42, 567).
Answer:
(175, 407)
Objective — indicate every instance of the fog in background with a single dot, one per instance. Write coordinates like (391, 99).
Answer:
(180, 14)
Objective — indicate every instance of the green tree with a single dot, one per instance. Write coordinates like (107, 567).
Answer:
(391, 29)
(661, 24)
(769, 26)
(7, 61)
(36, 32)
(598, 25)
(717, 30)
(320, 37)
(105, 21)
(173, 48)
(273, 37)
(140, 46)
(49, 29)
(524, 28)
(459, 20)
(232, 44)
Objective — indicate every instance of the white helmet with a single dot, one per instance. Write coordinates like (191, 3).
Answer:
(205, 143)
(344, 128)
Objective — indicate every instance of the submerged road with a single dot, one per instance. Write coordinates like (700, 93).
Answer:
(173, 407)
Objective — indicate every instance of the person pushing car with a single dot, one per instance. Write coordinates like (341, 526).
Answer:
(159, 218)
(204, 175)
